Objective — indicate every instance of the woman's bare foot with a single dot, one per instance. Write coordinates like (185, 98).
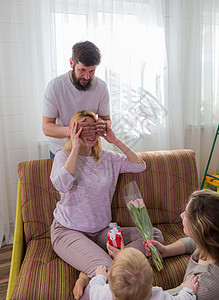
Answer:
(80, 284)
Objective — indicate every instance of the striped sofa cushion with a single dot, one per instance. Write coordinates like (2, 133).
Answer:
(38, 197)
(44, 275)
(167, 183)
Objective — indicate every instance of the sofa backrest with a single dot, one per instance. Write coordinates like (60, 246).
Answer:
(169, 179)
(165, 186)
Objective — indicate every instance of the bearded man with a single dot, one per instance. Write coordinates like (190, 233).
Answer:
(77, 90)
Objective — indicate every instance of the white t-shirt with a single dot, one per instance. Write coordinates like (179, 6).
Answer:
(62, 100)
(100, 290)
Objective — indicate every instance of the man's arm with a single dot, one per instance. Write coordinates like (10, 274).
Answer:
(106, 119)
(50, 128)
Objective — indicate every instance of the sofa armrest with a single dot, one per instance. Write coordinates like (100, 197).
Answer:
(18, 251)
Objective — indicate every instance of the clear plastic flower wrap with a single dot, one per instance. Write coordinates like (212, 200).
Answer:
(139, 214)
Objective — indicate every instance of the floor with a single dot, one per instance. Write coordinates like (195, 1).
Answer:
(5, 262)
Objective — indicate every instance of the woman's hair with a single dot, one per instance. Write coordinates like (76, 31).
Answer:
(131, 276)
(87, 53)
(203, 217)
(97, 147)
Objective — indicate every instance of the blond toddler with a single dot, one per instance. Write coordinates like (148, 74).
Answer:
(131, 278)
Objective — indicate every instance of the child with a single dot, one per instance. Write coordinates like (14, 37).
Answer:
(201, 225)
(131, 278)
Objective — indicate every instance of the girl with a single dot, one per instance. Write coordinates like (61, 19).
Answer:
(201, 225)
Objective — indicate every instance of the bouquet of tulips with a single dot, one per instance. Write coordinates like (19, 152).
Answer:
(139, 214)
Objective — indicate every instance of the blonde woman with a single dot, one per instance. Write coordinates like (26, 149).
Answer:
(86, 177)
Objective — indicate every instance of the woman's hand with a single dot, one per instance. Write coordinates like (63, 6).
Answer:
(110, 136)
(71, 162)
(131, 155)
(113, 251)
(74, 134)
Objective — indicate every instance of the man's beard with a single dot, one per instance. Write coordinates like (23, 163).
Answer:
(77, 84)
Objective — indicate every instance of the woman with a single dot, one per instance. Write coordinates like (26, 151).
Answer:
(201, 225)
(86, 177)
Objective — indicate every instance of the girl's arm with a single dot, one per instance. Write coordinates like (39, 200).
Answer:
(131, 155)
(176, 248)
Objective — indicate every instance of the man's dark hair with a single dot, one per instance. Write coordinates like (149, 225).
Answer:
(87, 53)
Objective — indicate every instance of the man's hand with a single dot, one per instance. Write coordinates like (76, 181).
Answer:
(88, 129)
(101, 127)
(109, 136)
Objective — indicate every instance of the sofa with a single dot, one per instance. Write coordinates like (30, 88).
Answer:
(38, 273)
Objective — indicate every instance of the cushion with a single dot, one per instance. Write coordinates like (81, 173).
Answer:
(38, 198)
(167, 183)
(43, 274)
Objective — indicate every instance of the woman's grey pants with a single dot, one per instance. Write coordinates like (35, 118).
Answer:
(86, 251)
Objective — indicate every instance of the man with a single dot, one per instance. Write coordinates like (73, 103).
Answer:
(79, 89)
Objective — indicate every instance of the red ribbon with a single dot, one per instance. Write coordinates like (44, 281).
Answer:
(148, 243)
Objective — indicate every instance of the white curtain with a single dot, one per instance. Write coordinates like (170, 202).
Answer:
(193, 63)
(4, 218)
(159, 60)
(21, 92)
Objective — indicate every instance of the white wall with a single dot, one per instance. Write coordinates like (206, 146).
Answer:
(16, 119)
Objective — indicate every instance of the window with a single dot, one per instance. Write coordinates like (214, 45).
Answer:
(131, 40)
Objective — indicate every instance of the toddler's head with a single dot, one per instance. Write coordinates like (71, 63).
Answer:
(131, 276)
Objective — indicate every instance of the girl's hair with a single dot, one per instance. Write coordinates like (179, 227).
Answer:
(131, 276)
(96, 149)
(203, 216)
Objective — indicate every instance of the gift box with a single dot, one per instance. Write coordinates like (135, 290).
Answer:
(114, 237)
